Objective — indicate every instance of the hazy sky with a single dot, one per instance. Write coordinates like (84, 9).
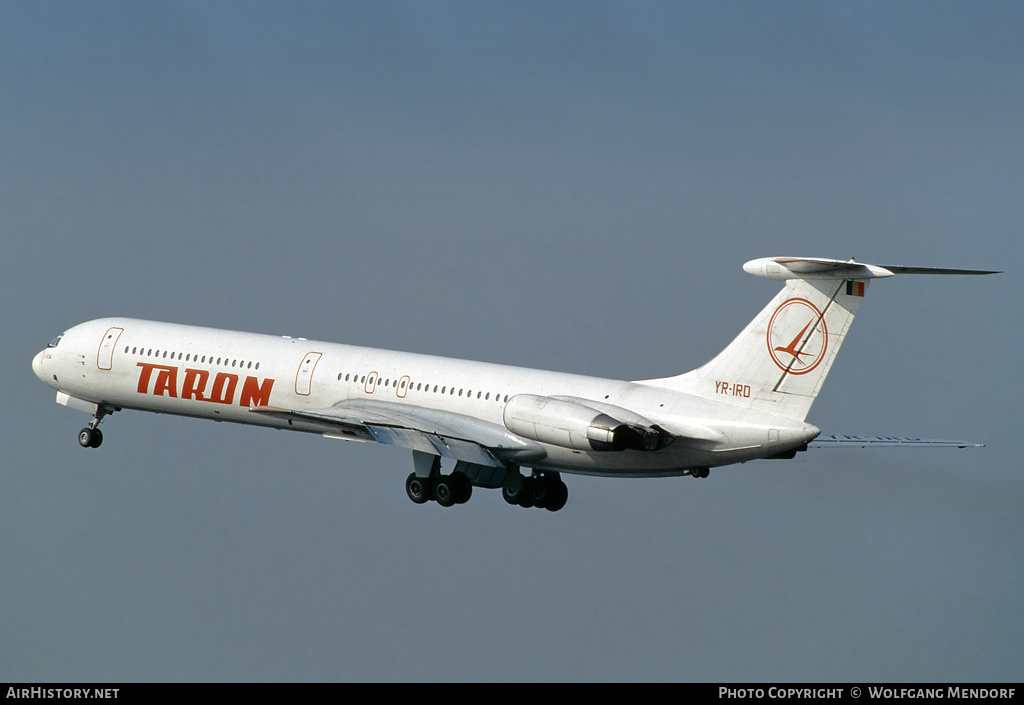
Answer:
(565, 185)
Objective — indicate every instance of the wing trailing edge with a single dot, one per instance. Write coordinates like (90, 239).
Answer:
(431, 431)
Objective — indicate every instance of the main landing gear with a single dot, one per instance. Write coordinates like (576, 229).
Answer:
(446, 490)
(91, 436)
(700, 472)
(544, 490)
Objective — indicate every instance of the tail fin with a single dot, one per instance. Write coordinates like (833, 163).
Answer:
(779, 362)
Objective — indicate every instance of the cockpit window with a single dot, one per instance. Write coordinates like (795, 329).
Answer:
(53, 343)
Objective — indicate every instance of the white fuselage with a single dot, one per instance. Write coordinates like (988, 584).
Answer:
(215, 374)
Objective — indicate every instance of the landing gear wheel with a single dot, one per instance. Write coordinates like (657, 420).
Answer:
(418, 488)
(540, 491)
(90, 437)
(444, 491)
(512, 492)
(463, 487)
(526, 496)
(558, 495)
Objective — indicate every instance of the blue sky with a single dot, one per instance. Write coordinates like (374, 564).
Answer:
(572, 186)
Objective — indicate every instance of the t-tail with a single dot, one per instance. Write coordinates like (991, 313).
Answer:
(779, 362)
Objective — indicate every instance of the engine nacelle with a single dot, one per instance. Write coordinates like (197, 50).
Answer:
(566, 424)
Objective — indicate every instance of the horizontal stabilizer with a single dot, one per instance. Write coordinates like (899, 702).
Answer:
(845, 441)
(820, 268)
(896, 269)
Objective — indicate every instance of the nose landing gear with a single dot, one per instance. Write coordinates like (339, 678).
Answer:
(91, 436)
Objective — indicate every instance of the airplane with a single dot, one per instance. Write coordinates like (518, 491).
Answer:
(749, 402)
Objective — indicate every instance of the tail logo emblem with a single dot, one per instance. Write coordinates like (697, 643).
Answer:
(797, 336)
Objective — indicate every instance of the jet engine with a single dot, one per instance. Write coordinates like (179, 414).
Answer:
(572, 424)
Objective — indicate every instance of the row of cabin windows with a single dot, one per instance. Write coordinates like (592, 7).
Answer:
(422, 387)
(189, 357)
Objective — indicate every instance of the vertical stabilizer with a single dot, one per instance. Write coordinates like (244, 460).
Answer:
(779, 362)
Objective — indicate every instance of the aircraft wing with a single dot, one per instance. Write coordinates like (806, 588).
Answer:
(846, 441)
(431, 431)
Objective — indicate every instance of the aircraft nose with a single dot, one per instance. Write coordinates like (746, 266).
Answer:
(37, 365)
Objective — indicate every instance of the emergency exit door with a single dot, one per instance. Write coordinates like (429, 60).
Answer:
(304, 377)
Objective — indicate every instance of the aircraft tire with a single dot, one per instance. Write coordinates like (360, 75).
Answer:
(444, 491)
(558, 495)
(418, 488)
(512, 496)
(526, 496)
(463, 487)
(90, 437)
(540, 492)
